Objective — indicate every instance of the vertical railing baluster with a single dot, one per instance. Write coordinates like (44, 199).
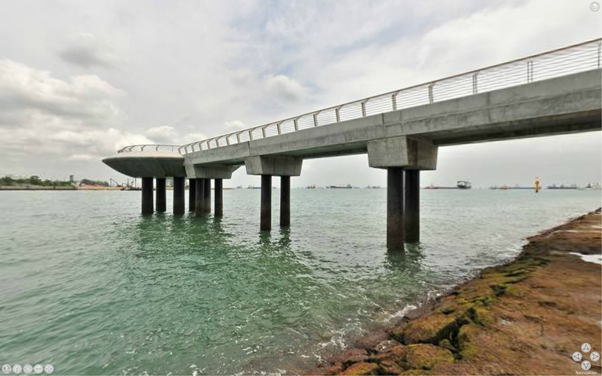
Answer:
(296, 124)
(337, 114)
(394, 100)
(475, 83)
(315, 119)
(278, 128)
(363, 108)
(431, 95)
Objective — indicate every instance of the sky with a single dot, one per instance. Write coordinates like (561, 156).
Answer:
(81, 79)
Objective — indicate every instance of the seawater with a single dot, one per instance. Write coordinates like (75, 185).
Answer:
(90, 286)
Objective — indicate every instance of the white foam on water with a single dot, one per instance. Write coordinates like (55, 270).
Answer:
(596, 259)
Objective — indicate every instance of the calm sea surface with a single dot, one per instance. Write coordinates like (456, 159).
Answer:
(92, 287)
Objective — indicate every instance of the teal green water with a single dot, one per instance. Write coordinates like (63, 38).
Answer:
(92, 287)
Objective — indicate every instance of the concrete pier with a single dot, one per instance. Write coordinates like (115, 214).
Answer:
(207, 196)
(219, 198)
(179, 204)
(285, 201)
(266, 203)
(147, 196)
(395, 192)
(160, 198)
(199, 208)
(412, 206)
(191, 194)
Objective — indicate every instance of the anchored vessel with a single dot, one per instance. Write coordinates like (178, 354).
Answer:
(556, 92)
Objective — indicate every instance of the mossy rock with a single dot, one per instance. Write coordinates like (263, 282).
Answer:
(362, 368)
(446, 344)
(480, 315)
(390, 367)
(427, 329)
(468, 341)
(426, 356)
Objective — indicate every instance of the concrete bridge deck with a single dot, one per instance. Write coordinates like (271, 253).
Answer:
(558, 92)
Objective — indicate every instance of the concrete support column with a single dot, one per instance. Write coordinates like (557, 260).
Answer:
(147, 196)
(266, 203)
(285, 201)
(199, 208)
(160, 199)
(179, 203)
(207, 200)
(412, 206)
(191, 194)
(219, 197)
(395, 192)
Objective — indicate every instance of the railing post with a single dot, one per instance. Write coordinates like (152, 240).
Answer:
(228, 140)
(278, 128)
(363, 108)
(315, 119)
(431, 95)
(263, 132)
(475, 85)
(394, 100)
(238, 137)
(296, 124)
(251, 134)
(337, 114)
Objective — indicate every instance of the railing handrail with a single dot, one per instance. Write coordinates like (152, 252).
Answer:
(183, 149)
(142, 147)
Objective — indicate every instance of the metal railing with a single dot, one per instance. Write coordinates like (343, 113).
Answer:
(560, 62)
(150, 147)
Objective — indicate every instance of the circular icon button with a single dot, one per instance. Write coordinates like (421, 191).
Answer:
(586, 347)
(49, 368)
(594, 356)
(577, 356)
(594, 6)
(586, 365)
(27, 368)
(6, 368)
(17, 368)
(38, 368)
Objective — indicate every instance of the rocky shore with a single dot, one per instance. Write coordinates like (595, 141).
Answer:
(527, 317)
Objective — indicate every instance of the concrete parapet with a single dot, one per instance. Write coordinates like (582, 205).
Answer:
(281, 165)
(409, 153)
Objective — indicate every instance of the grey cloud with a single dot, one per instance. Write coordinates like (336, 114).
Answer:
(88, 51)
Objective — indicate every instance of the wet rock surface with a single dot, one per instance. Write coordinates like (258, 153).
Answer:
(526, 317)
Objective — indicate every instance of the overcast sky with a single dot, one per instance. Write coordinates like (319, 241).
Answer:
(80, 79)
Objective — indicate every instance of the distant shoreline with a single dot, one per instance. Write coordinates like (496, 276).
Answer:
(58, 188)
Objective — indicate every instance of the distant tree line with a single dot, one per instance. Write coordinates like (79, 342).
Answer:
(33, 180)
(93, 182)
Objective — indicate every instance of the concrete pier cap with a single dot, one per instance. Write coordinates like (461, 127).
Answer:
(407, 152)
(210, 171)
(156, 164)
(279, 165)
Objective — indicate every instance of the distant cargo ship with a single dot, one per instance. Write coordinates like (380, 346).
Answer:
(461, 184)
(339, 186)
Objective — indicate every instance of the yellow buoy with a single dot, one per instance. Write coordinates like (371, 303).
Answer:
(537, 185)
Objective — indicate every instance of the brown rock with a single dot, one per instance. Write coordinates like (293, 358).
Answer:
(362, 368)
(426, 356)
(427, 329)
